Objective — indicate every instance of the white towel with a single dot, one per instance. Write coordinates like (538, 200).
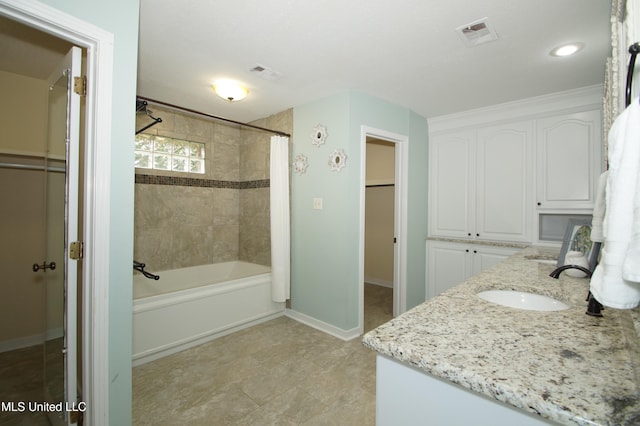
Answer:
(599, 209)
(608, 284)
(631, 265)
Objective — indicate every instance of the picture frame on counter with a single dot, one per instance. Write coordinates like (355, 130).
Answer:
(577, 239)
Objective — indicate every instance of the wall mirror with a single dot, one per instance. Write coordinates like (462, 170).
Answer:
(337, 160)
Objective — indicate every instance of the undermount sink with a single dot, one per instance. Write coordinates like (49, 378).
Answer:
(522, 300)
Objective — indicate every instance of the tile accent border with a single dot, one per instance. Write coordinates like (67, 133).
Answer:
(199, 182)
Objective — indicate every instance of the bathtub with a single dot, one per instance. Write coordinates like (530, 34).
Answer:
(190, 306)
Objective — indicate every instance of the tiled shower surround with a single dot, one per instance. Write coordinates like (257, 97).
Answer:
(184, 219)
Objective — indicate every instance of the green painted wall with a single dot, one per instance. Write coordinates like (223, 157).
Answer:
(321, 274)
(119, 17)
(417, 209)
(325, 252)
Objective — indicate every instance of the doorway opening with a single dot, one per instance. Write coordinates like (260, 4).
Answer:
(383, 227)
(19, 18)
(42, 157)
(379, 232)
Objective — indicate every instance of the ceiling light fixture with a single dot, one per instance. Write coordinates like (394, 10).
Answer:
(230, 90)
(567, 49)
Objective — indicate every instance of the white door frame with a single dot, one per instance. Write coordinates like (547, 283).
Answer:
(98, 45)
(401, 144)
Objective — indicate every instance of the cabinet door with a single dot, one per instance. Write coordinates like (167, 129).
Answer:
(451, 166)
(448, 264)
(569, 160)
(504, 182)
(485, 257)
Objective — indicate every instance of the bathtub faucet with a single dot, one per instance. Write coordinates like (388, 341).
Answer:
(140, 267)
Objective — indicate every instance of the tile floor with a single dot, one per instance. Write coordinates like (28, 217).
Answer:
(22, 380)
(277, 373)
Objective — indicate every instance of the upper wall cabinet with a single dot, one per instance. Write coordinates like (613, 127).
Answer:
(481, 183)
(495, 171)
(569, 160)
(504, 182)
(452, 182)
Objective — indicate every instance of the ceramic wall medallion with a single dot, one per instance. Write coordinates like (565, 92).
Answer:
(300, 164)
(318, 135)
(337, 160)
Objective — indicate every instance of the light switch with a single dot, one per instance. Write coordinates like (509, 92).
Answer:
(317, 203)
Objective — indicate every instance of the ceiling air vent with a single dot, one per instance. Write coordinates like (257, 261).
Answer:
(265, 72)
(477, 32)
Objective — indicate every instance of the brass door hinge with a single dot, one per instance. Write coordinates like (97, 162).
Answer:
(75, 250)
(80, 85)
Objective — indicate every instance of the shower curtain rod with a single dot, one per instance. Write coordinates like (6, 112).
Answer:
(153, 101)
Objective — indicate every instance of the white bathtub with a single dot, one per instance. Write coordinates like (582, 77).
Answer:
(190, 306)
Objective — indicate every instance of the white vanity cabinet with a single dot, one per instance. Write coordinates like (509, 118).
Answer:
(407, 396)
(481, 183)
(569, 160)
(450, 263)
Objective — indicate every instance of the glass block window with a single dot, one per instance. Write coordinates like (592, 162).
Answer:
(162, 153)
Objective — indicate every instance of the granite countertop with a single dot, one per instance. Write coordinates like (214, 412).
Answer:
(566, 366)
(479, 242)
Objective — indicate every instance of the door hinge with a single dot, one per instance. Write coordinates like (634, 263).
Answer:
(76, 250)
(80, 85)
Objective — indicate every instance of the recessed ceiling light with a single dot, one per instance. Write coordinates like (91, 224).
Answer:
(567, 49)
(230, 90)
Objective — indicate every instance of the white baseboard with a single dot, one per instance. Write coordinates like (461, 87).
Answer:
(54, 333)
(381, 283)
(345, 335)
(26, 341)
(22, 342)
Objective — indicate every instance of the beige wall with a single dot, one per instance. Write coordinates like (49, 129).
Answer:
(380, 162)
(379, 210)
(21, 227)
(24, 114)
(179, 226)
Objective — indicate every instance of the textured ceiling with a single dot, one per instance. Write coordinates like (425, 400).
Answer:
(406, 52)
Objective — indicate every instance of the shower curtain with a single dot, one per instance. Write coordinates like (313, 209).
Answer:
(280, 228)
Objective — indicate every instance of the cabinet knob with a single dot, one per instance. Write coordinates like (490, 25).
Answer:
(539, 203)
(477, 235)
(475, 251)
(469, 234)
(467, 250)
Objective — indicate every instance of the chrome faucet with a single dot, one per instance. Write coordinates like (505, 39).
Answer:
(594, 307)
